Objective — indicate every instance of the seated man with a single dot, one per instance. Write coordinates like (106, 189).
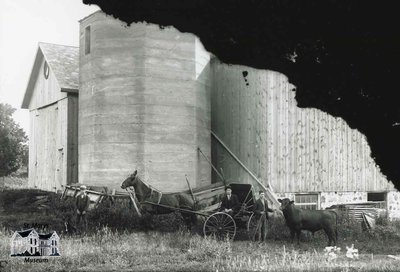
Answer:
(230, 202)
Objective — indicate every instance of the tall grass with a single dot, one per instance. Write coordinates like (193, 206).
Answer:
(108, 250)
(118, 240)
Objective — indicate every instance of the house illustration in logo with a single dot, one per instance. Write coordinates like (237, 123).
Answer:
(30, 243)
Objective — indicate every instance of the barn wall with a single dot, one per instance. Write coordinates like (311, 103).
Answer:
(72, 139)
(46, 91)
(393, 205)
(293, 149)
(47, 147)
(142, 105)
(48, 134)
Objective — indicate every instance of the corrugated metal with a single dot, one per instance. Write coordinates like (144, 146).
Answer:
(293, 149)
(357, 210)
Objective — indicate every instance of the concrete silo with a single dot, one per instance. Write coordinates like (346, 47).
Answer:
(144, 103)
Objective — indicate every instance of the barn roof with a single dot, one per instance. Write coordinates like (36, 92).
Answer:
(63, 60)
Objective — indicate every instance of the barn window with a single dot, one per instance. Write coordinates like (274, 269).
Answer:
(378, 198)
(307, 201)
(46, 70)
(87, 40)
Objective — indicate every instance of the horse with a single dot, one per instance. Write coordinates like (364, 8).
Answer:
(145, 193)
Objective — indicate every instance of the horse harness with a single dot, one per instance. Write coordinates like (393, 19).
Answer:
(152, 189)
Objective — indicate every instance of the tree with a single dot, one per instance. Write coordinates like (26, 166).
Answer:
(13, 142)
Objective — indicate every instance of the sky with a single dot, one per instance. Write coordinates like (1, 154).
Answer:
(23, 24)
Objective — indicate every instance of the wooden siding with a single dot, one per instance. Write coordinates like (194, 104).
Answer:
(53, 120)
(72, 139)
(47, 158)
(46, 91)
(293, 149)
(142, 105)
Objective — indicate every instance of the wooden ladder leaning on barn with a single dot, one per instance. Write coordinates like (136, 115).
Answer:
(268, 189)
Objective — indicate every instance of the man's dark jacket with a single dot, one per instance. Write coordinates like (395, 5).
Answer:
(232, 203)
(82, 202)
(259, 207)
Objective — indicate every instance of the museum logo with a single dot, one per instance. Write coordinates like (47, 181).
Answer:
(28, 243)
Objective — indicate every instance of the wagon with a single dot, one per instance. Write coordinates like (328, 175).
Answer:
(223, 225)
(96, 194)
(208, 200)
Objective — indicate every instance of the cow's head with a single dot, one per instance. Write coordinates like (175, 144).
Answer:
(285, 203)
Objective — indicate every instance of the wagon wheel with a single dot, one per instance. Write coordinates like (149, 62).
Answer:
(252, 227)
(247, 205)
(221, 225)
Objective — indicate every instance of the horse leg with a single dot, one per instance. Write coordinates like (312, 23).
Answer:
(146, 221)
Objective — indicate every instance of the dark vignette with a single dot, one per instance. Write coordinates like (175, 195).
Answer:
(343, 56)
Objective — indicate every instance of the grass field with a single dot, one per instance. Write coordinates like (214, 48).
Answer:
(116, 242)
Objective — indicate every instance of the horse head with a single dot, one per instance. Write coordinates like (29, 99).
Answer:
(142, 190)
(130, 181)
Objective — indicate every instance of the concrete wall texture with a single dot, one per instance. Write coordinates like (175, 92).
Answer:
(144, 103)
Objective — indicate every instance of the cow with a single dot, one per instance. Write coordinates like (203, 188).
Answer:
(300, 219)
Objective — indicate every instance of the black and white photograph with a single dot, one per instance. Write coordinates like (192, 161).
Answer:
(230, 135)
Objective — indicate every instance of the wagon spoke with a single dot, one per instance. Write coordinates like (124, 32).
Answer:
(215, 220)
(230, 229)
(228, 223)
(226, 218)
(221, 225)
(211, 230)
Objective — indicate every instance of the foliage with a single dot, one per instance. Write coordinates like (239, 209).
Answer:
(116, 216)
(13, 148)
(30, 206)
(116, 241)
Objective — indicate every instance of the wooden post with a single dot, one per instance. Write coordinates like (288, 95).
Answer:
(190, 189)
(134, 203)
(213, 167)
(268, 190)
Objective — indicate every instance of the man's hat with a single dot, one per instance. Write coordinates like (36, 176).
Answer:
(83, 187)
(228, 187)
(260, 192)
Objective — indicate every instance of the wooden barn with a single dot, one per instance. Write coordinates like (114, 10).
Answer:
(304, 154)
(150, 97)
(52, 99)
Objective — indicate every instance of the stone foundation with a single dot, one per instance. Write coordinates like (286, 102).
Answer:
(393, 205)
